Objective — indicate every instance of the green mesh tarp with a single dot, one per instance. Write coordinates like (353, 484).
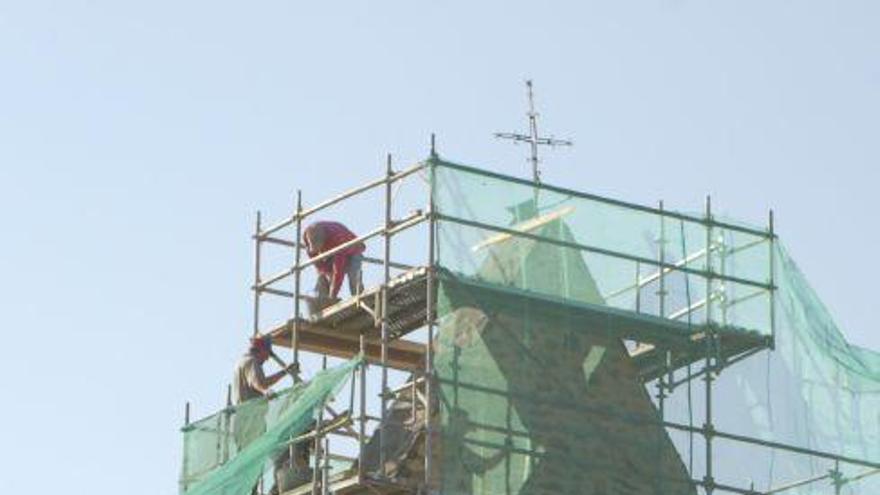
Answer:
(556, 309)
(542, 294)
(530, 402)
(226, 453)
(814, 390)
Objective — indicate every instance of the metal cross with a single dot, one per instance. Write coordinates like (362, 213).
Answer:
(532, 138)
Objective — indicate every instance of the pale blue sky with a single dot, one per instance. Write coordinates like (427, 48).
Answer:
(138, 138)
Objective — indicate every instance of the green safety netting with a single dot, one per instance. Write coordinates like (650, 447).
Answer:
(542, 291)
(227, 453)
(815, 390)
(550, 304)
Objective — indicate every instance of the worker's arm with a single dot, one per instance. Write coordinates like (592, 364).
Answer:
(277, 376)
(257, 380)
(339, 263)
(261, 383)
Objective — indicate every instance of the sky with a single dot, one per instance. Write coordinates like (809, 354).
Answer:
(137, 140)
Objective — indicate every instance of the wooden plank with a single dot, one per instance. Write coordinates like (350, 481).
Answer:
(526, 226)
(346, 483)
(336, 330)
(623, 324)
(649, 359)
(402, 354)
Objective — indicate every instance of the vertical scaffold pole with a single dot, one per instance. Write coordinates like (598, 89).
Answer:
(386, 277)
(708, 428)
(325, 471)
(257, 250)
(297, 281)
(837, 478)
(316, 473)
(185, 464)
(227, 424)
(429, 316)
(661, 388)
(721, 241)
(638, 285)
(362, 426)
(297, 273)
(325, 451)
(772, 229)
(661, 255)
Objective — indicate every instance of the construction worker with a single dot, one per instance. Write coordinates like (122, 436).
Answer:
(321, 237)
(250, 382)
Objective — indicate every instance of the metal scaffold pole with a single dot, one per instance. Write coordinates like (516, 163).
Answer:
(297, 281)
(708, 428)
(227, 426)
(325, 471)
(257, 250)
(638, 287)
(185, 466)
(386, 277)
(294, 331)
(661, 255)
(316, 474)
(772, 230)
(661, 388)
(429, 350)
(362, 424)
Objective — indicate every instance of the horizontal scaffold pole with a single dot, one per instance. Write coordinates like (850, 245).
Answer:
(606, 252)
(332, 201)
(775, 445)
(622, 416)
(399, 226)
(614, 202)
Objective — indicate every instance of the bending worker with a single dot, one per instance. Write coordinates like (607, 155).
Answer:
(321, 237)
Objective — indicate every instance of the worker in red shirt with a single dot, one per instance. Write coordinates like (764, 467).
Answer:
(321, 237)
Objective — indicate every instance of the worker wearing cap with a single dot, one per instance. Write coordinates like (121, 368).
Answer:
(249, 381)
(321, 237)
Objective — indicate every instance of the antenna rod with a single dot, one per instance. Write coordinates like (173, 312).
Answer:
(533, 133)
(533, 138)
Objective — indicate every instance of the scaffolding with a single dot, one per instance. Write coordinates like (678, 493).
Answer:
(671, 339)
(371, 324)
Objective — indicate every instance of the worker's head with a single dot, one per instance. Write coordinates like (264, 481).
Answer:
(261, 347)
(313, 238)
